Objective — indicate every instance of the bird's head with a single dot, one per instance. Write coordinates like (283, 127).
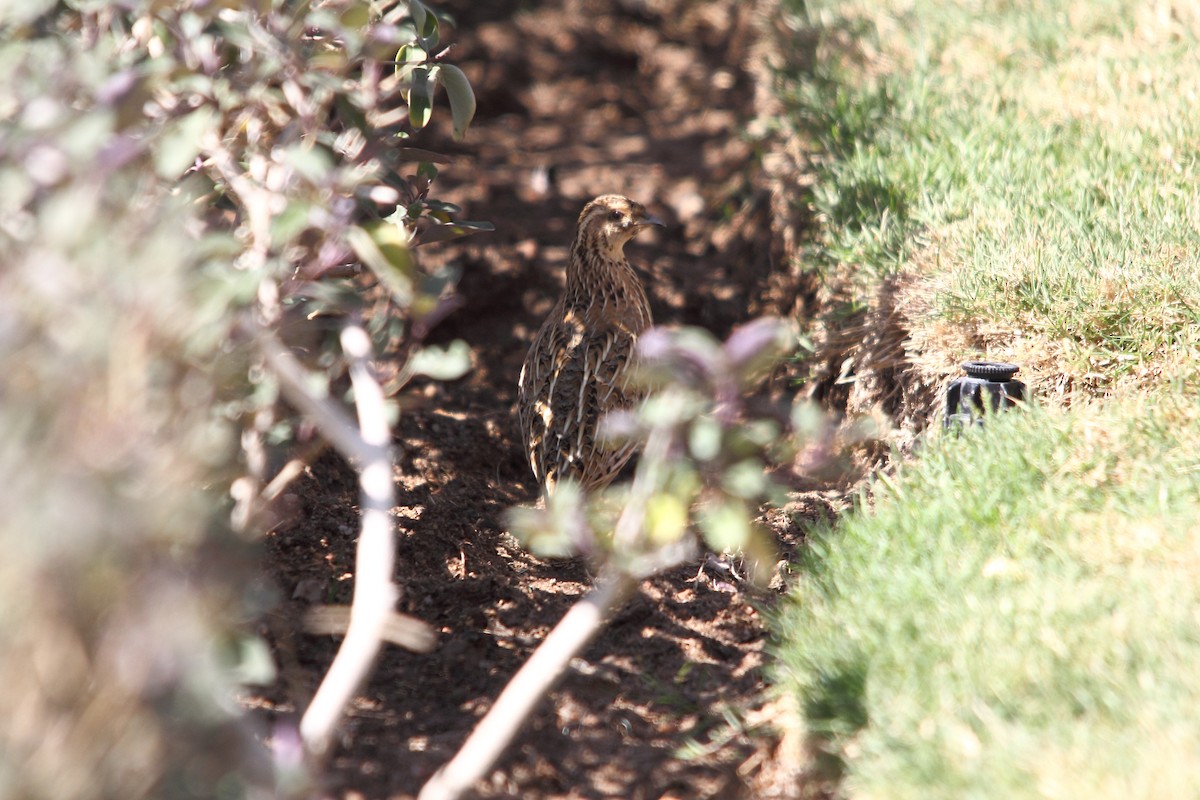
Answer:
(609, 221)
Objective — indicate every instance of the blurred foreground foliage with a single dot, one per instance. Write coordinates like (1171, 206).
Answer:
(173, 179)
(709, 446)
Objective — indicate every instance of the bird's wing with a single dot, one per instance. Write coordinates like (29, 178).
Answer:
(535, 391)
(571, 379)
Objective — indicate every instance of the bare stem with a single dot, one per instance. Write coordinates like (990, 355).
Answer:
(369, 446)
(331, 419)
(493, 733)
(536, 677)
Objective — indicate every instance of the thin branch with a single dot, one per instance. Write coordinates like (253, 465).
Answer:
(252, 511)
(293, 469)
(374, 593)
(368, 446)
(254, 198)
(543, 669)
(330, 418)
(493, 733)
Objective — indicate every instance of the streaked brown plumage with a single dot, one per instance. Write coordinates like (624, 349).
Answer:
(575, 370)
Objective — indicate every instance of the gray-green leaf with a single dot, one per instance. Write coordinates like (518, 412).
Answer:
(383, 247)
(726, 525)
(441, 363)
(462, 98)
(180, 142)
(420, 96)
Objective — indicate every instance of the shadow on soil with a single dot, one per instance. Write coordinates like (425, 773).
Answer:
(575, 99)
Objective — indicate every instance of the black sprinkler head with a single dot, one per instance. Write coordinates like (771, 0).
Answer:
(987, 388)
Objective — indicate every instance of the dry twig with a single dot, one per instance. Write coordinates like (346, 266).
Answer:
(401, 629)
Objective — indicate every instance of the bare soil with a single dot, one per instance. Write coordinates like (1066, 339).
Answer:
(651, 98)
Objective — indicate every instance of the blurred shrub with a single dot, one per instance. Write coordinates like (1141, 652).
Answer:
(172, 175)
(707, 449)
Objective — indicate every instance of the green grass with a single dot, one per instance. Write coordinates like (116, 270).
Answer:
(1015, 611)
(1040, 160)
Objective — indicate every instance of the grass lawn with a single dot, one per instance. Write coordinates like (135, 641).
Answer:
(1016, 612)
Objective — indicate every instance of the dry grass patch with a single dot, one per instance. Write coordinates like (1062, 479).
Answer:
(1036, 169)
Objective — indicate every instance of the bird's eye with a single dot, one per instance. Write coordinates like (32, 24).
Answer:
(615, 214)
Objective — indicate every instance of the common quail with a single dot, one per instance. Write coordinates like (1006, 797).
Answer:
(575, 371)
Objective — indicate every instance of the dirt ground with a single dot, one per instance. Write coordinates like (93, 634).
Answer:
(650, 98)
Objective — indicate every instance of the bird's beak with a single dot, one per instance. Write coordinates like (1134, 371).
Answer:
(650, 219)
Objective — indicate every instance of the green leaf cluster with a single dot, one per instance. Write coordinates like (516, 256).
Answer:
(706, 454)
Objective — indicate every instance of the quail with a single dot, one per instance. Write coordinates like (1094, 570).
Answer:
(576, 369)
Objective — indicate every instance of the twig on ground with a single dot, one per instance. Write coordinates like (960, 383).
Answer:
(401, 629)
